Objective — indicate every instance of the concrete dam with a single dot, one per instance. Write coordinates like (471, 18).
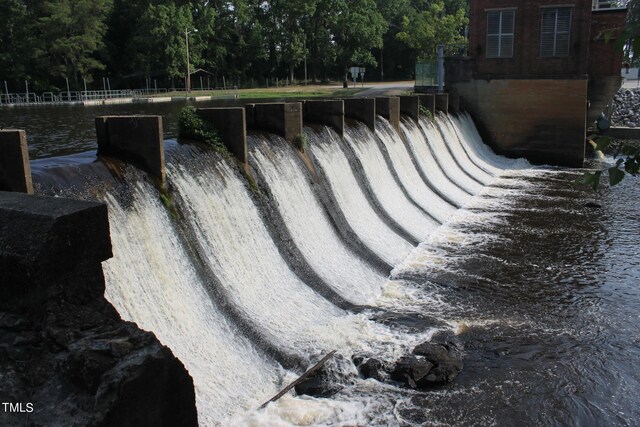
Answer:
(330, 226)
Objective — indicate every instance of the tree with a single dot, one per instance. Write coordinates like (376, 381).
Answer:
(359, 27)
(72, 35)
(427, 29)
(160, 40)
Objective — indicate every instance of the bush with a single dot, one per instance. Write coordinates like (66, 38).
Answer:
(192, 126)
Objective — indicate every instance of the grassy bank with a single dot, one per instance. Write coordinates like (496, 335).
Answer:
(310, 91)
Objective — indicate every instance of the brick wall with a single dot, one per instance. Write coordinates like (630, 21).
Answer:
(604, 59)
(526, 61)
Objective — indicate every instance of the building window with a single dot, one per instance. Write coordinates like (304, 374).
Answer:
(555, 32)
(500, 27)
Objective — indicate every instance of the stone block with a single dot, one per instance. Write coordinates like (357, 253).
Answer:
(442, 102)
(389, 108)
(134, 139)
(361, 109)
(410, 106)
(325, 112)
(48, 244)
(15, 171)
(281, 118)
(428, 101)
(230, 122)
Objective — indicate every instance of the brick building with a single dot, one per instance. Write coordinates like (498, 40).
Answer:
(537, 73)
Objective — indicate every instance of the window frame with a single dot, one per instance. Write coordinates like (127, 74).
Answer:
(554, 35)
(501, 36)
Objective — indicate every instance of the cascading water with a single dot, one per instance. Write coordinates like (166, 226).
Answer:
(353, 201)
(446, 160)
(409, 176)
(242, 255)
(460, 155)
(150, 280)
(310, 226)
(418, 139)
(386, 189)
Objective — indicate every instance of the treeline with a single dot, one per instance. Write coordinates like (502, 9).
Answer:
(134, 42)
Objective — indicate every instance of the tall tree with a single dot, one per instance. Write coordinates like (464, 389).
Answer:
(72, 33)
(359, 28)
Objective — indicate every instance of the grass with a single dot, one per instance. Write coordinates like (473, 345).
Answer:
(311, 91)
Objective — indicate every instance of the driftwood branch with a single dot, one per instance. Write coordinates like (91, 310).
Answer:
(301, 378)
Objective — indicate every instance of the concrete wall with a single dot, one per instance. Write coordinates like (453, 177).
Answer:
(325, 112)
(442, 102)
(231, 124)
(361, 109)
(134, 139)
(428, 101)
(389, 108)
(15, 171)
(542, 120)
(410, 106)
(281, 118)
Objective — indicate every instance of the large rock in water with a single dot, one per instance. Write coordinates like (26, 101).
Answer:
(66, 356)
(432, 363)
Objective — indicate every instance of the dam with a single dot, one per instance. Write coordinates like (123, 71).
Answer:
(378, 233)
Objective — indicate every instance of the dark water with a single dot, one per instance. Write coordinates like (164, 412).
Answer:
(548, 302)
(61, 130)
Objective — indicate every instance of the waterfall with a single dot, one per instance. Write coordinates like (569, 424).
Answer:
(459, 154)
(445, 158)
(418, 141)
(310, 226)
(409, 176)
(352, 199)
(151, 281)
(480, 152)
(242, 255)
(384, 185)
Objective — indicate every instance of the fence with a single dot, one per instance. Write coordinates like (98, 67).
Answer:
(427, 73)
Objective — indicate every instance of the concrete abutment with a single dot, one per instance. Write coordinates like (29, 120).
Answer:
(281, 118)
(15, 171)
(389, 108)
(361, 109)
(231, 125)
(325, 112)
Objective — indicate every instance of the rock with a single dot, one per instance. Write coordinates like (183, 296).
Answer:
(372, 368)
(592, 205)
(411, 370)
(319, 384)
(444, 351)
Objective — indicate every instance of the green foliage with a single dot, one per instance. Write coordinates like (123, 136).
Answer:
(301, 142)
(425, 112)
(192, 126)
(434, 26)
(628, 161)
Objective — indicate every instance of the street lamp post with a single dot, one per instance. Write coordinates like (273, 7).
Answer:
(187, 84)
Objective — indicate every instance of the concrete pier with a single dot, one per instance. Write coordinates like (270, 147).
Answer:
(454, 102)
(15, 172)
(134, 139)
(281, 118)
(410, 106)
(361, 109)
(325, 112)
(442, 102)
(428, 101)
(389, 108)
(231, 124)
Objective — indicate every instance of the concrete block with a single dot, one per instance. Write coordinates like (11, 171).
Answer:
(232, 127)
(454, 102)
(442, 102)
(48, 245)
(428, 101)
(134, 139)
(410, 106)
(281, 118)
(15, 171)
(361, 109)
(325, 112)
(389, 108)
